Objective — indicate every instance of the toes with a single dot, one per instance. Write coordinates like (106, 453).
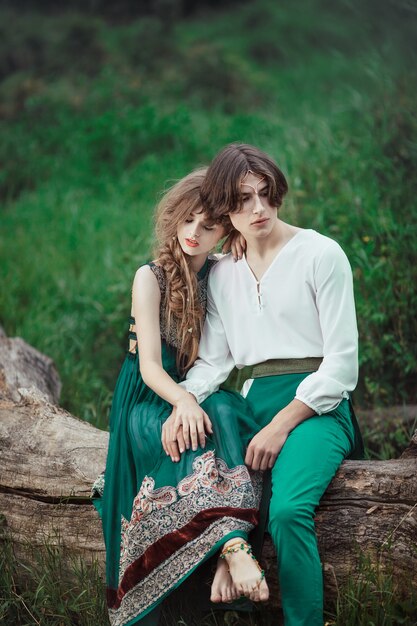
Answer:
(236, 594)
(246, 591)
(263, 591)
(255, 594)
(224, 594)
(215, 596)
(227, 596)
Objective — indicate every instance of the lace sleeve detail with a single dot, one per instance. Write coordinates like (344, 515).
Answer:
(160, 277)
(170, 336)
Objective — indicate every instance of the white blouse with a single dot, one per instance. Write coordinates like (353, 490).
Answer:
(303, 306)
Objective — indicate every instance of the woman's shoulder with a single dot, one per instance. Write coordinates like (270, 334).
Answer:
(148, 272)
(221, 263)
(159, 273)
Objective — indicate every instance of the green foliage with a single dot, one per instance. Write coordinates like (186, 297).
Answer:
(51, 591)
(54, 591)
(44, 49)
(374, 598)
(388, 440)
(97, 117)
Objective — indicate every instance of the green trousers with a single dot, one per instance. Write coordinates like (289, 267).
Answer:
(305, 466)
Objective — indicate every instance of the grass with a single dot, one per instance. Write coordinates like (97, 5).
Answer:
(374, 598)
(89, 141)
(53, 592)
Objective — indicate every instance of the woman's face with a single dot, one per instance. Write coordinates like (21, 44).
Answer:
(197, 235)
(257, 217)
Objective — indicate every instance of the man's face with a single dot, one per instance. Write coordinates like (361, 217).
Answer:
(257, 217)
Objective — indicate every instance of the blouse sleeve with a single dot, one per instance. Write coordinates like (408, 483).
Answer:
(215, 361)
(337, 375)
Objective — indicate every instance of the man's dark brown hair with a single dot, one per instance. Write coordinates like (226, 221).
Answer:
(221, 192)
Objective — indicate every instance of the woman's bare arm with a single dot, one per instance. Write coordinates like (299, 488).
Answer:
(146, 298)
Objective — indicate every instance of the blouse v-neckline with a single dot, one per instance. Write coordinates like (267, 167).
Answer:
(275, 259)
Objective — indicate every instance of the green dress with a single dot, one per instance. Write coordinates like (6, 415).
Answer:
(161, 519)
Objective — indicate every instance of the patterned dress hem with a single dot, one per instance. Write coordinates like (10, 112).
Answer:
(215, 548)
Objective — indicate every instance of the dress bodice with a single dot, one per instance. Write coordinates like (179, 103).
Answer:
(169, 334)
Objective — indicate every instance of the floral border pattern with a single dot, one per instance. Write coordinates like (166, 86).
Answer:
(160, 512)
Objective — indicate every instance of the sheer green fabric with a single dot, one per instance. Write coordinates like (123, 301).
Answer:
(161, 519)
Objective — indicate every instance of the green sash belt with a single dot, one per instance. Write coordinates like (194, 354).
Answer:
(272, 367)
(275, 367)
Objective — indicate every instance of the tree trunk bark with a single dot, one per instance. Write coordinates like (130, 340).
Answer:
(49, 459)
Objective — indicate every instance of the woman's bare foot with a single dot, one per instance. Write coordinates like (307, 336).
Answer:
(223, 589)
(245, 571)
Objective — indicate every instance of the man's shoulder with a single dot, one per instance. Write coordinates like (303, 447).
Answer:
(222, 270)
(225, 264)
(323, 252)
(319, 244)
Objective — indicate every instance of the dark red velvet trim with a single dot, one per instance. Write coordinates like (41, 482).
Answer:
(159, 551)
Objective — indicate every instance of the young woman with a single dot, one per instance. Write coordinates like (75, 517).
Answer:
(167, 506)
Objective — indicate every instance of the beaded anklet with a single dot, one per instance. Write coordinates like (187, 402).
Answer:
(242, 545)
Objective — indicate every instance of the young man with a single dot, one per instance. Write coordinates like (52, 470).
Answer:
(286, 309)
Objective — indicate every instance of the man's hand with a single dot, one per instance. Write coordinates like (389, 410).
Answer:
(264, 448)
(236, 244)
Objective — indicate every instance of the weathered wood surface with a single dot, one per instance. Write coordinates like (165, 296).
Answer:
(49, 459)
(21, 366)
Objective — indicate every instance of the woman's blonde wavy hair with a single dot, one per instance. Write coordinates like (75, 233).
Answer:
(182, 307)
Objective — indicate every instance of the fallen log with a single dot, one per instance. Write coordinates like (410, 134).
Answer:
(21, 366)
(49, 459)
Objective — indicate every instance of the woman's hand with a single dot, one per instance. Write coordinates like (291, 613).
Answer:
(236, 243)
(172, 442)
(186, 426)
(193, 420)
